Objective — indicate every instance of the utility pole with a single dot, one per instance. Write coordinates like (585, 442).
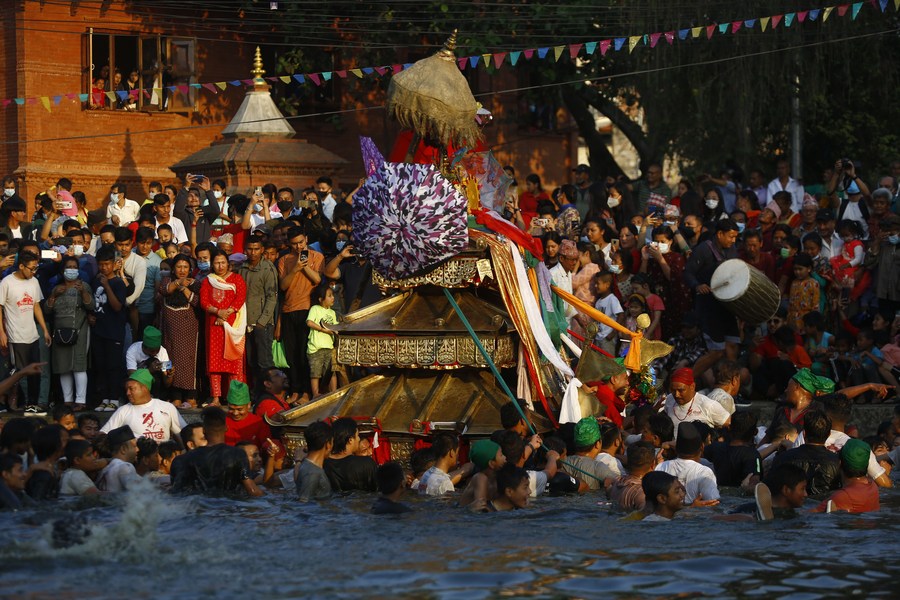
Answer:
(796, 136)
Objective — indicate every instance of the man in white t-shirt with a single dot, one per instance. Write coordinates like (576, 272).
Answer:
(20, 297)
(163, 211)
(685, 404)
(121, 211)
(784, 182)
(443, 476)
(699, 481)
(139, 354)
(119, 474)
(145, 415)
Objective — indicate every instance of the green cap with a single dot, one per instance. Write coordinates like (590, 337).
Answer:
(238, 393)
(855, 455)
(483, 452)
(152, 337)
(587, 432)
(143, 377)
(812, 383)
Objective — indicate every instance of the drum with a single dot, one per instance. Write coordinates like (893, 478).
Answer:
(745, 291)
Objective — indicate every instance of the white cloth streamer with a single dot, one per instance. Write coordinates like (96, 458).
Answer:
(570, 411)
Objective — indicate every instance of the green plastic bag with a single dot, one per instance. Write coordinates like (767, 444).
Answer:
(278, 357)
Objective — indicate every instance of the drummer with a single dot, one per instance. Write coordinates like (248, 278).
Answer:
(719, 326)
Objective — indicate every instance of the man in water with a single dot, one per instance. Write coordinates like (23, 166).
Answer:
(685, 404)
(583, 465)
(345, 470)
(216, 468)
(699, 480)
(242, 425)
(120, 473)
(665, 495)
(781, 494)
(822, 466)
(144, 414)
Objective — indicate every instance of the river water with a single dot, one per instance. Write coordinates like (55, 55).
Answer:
(147, 544)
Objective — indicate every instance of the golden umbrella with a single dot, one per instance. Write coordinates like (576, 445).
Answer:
(433, 99)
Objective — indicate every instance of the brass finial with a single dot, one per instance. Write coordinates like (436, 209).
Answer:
(448, 52)
(258, 70)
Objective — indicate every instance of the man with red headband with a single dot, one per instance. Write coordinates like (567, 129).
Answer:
(684, 404)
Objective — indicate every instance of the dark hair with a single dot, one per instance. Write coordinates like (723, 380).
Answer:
(838, 407)
(545, 207)
(751, 196)
(318, 434)
(743, 426)
(552, 236)
(146, 448)
(321, 291)
(9, 461)
(639, 455)
(421, 460)
(609, 432)
(661, 426)
(655, 483)
(106, 253)
(164, 227)
(16, 431)
(47, 441)
(167, 449)
(27, 257)
(389, 477)
(510, 414)
(752, 233)
(60, 410)
(187, 432)
(510, 477)
(344, 429)
(555, 443)
(816, 426)
(120, 188)
(852, 225)
(785, 336)
(325, 180)
(725, 225)
(785, 474)
(443, 444)
(814, 319)
(640, 416)
(786, 230)
(511, 444)
(123, 234)
(569, 190)
(144, 234)
(803, 260)
(663, 231)
(726, 370)
(294, 232)
(75, 449)
(535, 179)
(85, 417)
(214, 420)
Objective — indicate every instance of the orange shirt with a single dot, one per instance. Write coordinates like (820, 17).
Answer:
(297, 296)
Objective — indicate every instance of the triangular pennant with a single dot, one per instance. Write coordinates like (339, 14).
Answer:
(315, 78)
(486, 60)
(46, 102)
(736, 26)
(368, 70)
(842, 9)
(222, 85)
(654, 39)
(633, 41)
(619, 43)
(514, 57)
(212, 88)
(235, 82)
(283, 79)
(750, 23)
(135, 94)
(646, 39)
(326, 75)
(122, 94)
(301, 79)
(473, 61)
(557, 52)
(604, 47)
(723, 28)
(696, 31)
(883, 4)
(83, 97)
(247, 81)
(32, 101)
(462, 62)
(273, 79)
(683, 33)
(590, 48)
(542, 52)
(764, 23)
(342, 74)
(498, 59)
(789, 19)
(528, 53)
(184, 89)
(670, 37)
(57, 100)
(147, 95)
(381, 70)
(801, 16)
(396, 68)
(111, 96)
(7, 102)
(98, 98)
(407, 65)
(710, 30)
(827, 14)
(855, 11)
(776, 19)
(71, 96)
(158, 91)
(357, 72)
(574, 50)
(896, 4)
(814, 14)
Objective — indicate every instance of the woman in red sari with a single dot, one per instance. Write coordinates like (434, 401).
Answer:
(222, 297)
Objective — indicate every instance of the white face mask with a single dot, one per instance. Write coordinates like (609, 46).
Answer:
(217, 194)
(114, 197)
(615, 269)
(663, 247)
(613, 202)
(9, 192)
(711, 203)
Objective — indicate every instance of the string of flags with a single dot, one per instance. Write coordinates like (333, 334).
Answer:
(491, 60)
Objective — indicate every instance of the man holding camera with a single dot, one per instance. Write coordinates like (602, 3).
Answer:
(299, 271)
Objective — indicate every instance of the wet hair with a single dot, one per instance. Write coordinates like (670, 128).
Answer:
(75, 449)
(9, 461)
(838, 407)
(609, 432)
(816, 426)
(47, 441)
(444, 443)
(167, 449)
(214, 420)
(510, 415)
(639, 455)
(510, 477)
(344, 429)
(421, 460)
(786, 474)
(511, 444)
(389, 477)
(318, 435)
(555, 443)
(743, 426)
(661, 426)
(655, 483)
(59, 411)
(146, 448)
(726, 370)
(16, 431)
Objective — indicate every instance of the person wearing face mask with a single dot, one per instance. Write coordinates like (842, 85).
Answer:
(665, 268)
(324, 187)
(9, 188)
(883, 259)
(197, 208)
(70, 303)
(121, 211)
(713, 208)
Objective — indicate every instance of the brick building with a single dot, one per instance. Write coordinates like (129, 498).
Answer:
(59, 48)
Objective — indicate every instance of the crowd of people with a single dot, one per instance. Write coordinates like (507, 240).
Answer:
(196, 298)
